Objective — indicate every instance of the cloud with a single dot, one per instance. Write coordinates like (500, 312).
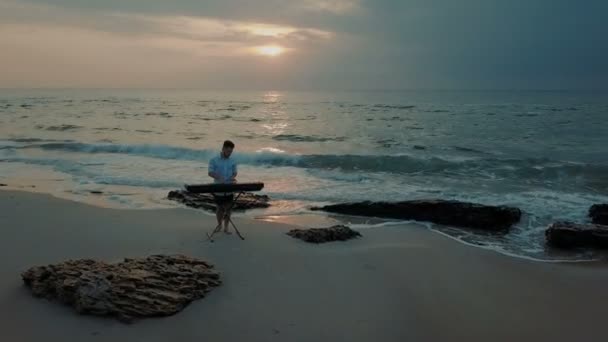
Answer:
(213, 29)
(33, 25)
(330, 43)
(50, 46)
(275, 11)
(331, 6)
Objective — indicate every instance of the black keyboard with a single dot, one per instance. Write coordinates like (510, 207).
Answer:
(212, 187)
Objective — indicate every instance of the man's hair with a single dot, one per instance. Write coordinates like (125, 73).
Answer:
(228, 144)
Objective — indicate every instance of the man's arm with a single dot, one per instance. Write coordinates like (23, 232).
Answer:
(234, 173)
(215, 175)
(212, 173)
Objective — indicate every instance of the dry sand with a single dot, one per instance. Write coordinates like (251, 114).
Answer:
(401, 283)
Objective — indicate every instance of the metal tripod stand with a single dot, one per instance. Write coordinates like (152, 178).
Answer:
(218, 228)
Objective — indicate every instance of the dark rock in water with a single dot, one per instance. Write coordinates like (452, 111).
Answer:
(159, 285)
(571, 235)
(96, 192)
(319, 235)
(599, 213)
(205, 201)
(2, 184)
(453, 213)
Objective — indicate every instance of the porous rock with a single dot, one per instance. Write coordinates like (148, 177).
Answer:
(158, 285)
(320, 235)
(206, 201)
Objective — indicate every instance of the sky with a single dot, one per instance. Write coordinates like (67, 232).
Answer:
(304, 44)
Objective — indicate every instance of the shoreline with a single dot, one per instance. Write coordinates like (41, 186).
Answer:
(314, 219)
(389, 285)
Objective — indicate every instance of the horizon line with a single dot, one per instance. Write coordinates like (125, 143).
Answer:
(510, 89)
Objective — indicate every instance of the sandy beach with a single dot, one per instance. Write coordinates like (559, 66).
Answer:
(399, 283)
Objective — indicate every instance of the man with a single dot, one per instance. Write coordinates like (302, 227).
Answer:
(223, 171)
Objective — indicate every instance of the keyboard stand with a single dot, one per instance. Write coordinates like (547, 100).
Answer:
(218, 228)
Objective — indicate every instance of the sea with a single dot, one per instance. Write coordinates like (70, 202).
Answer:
(544, 152)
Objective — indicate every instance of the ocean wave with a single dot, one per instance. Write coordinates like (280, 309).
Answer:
(495, 168)
(306, 138)
(153, 151)
(61, 128)
(107, 129)
(393, 106)
(161, 114)
(387, 143)
(147, 131)
(233, 108)
(468, 149)
(17, 142)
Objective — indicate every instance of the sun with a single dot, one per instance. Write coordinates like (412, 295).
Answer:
(270, 50)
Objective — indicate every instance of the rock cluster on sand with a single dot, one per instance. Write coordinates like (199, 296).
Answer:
(571, 235)
(319, 235)
(599, 213)
(158, 285)
(454, 213)
(205, 201)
